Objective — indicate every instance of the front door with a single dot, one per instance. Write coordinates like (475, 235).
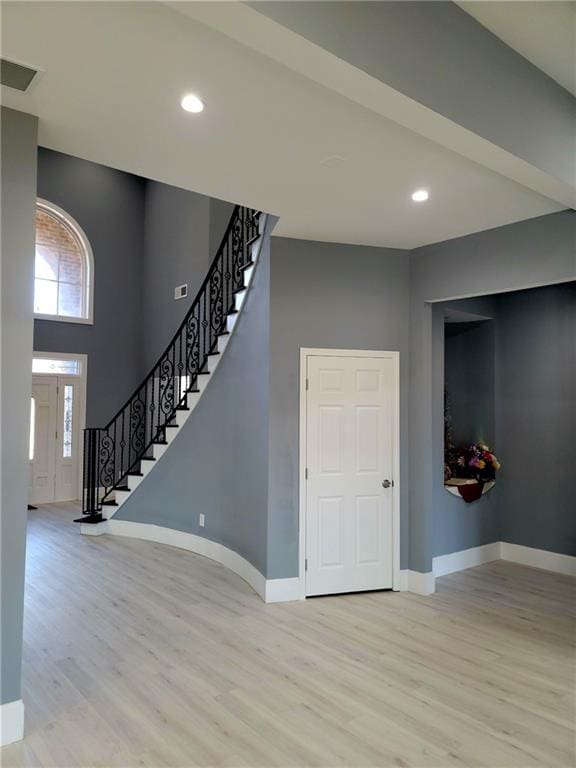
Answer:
(54, 439)
(43, 422)
(350, 407)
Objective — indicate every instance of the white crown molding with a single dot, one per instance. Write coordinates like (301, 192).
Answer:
(11, 722)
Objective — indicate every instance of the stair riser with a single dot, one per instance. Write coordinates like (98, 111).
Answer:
(133, 481)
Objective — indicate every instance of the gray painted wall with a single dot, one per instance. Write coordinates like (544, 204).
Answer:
(176, 251)
(458, 68)
(531, 253)
(18, 201)
(469, 368)
(218, 464)
(109, 206)
(147, 238)
(220, 214)
(537, 417)
(326, 295)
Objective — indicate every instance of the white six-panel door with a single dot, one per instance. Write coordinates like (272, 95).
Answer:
(350, 411)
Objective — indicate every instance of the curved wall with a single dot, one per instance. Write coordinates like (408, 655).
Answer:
(218, 464)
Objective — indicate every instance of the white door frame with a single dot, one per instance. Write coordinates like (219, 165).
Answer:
(82, 405)
(305, 353)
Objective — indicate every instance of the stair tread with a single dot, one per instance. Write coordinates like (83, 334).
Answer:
(109, 503)
(92, 519)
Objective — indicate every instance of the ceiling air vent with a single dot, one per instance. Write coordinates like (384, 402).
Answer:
(15, 75)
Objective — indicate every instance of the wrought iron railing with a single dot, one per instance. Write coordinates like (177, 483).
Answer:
(113, 452)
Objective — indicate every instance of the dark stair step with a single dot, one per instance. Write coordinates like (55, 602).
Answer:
(109, 503)
(90, 519)
(136, 474)
(172, 426)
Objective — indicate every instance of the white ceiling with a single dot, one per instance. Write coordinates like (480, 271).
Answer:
(543, 32)
(114, 75)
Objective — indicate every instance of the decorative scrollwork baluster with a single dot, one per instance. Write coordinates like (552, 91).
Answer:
(111, 453)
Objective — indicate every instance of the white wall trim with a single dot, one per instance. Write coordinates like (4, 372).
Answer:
(11, 722)
(306, 352)
(283, 590)
(419, 583)
(466, 558)
(443, 565)
(271, 590)
(539, 558)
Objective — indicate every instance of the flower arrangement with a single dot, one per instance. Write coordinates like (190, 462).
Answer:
(475, 461)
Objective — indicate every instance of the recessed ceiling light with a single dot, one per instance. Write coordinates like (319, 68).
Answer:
(420, 195)
(192, 103)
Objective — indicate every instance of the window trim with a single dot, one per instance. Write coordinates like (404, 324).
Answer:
(60, 213)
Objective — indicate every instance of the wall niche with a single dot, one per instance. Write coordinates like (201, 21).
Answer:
(469, 408)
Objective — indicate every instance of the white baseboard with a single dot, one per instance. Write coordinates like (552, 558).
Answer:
(283, 590)
(466, 558)
(419, 583)
(539, 558)
(11, 722)
(270, 590)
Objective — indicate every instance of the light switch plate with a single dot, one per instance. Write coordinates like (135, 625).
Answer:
(181, 291)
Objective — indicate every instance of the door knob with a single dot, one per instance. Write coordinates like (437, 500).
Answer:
(386, 483)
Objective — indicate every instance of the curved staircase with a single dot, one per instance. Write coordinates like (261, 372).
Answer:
(121, 455)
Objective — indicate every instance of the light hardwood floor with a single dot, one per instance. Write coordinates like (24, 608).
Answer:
(137, 654)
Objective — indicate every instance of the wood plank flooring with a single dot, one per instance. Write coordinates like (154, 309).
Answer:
(137, 654)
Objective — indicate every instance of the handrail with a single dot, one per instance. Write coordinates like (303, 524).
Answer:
(113, 452)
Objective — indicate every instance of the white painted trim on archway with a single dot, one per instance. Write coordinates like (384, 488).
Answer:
(11, 722)
(306, 352)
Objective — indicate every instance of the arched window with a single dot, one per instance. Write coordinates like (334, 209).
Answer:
(63, 274)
